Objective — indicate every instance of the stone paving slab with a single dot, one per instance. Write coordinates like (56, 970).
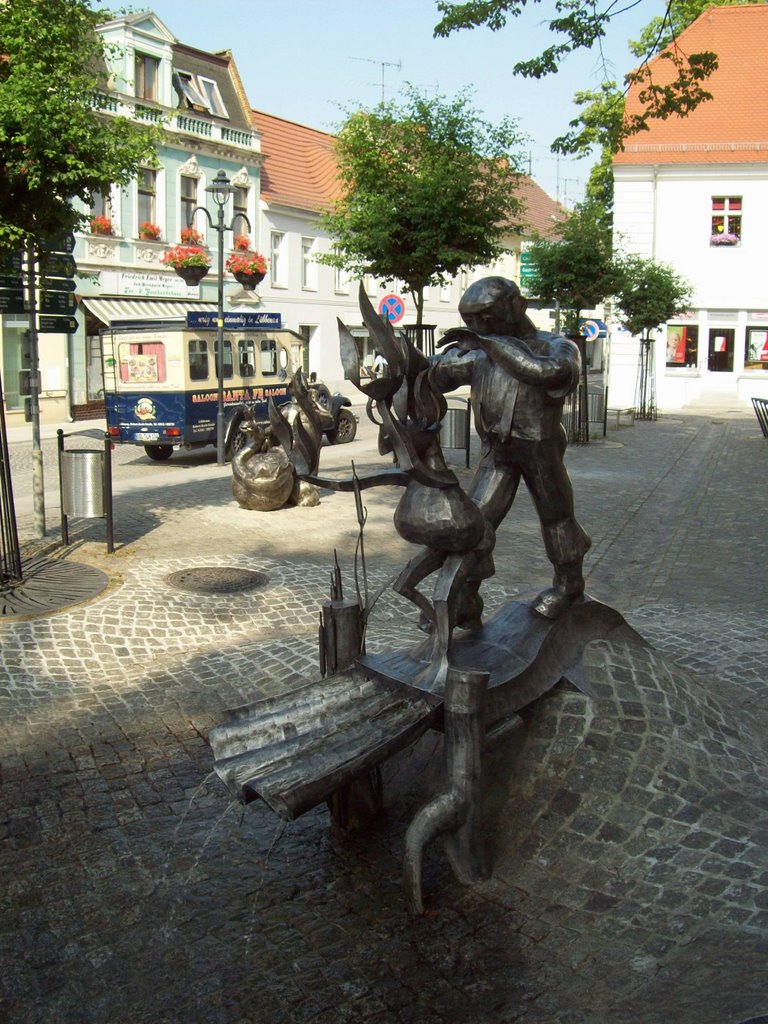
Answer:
(135, 893)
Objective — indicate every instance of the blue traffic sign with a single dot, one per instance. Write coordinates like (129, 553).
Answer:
(592, 329)
(393, 307)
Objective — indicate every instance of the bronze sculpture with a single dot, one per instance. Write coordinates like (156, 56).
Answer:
(519, 378)
(325, 740)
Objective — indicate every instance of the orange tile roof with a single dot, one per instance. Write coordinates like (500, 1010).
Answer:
(732, 127)
(299, 168)
(299, 171)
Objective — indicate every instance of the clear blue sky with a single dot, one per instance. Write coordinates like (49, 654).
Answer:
(308, 60)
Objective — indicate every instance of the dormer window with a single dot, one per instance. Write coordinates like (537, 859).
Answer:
(199, 93)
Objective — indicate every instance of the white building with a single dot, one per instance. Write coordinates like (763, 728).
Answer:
(693, 192)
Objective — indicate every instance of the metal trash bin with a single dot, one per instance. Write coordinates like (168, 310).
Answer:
(85, 485)
(454, 428)
(82, 483)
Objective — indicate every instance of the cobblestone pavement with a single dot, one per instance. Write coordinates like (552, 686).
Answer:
(629, 829)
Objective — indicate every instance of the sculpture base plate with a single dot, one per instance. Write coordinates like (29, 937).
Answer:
(524, 653)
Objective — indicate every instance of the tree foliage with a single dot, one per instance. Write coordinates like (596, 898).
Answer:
(55, 144)
(427, 188)
(577, 271)
(648, 293)
(581, 25)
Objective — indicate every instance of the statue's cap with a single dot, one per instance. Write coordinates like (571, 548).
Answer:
(484, 293)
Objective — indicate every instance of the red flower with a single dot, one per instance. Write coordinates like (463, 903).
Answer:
(191, 236)
(185, 256)
(246, 263)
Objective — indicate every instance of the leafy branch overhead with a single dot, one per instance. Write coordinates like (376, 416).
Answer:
(581, 25)
(427, 188)
(56, 145)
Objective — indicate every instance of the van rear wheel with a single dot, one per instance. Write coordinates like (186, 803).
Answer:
(159, 452)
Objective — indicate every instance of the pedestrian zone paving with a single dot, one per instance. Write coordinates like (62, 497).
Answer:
(629, 829)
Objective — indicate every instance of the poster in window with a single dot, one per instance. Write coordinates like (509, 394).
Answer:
(676, 346)
(757, 349)
(142, 369)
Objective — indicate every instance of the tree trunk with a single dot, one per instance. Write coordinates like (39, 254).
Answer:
(418, 301)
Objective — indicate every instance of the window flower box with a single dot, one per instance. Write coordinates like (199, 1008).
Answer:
(724, 239)
(191, 236)
(242, 243)
(101, 225)
(150, 232)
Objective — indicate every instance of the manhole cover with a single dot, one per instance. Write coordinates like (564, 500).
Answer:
(216, 580)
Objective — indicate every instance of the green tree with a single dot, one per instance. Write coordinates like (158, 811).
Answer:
(427, 188)
(648, 293)
(56, 146)
(576, 271)
(581, 25)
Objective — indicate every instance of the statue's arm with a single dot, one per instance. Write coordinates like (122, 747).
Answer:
(556, 368)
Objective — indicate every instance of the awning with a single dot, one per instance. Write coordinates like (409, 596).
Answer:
(113, 310)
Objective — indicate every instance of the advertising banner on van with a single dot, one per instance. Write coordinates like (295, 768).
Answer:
(236, 321)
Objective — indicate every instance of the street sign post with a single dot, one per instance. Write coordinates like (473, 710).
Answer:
(57, 302)
(12, 300)
(528, 278)
(62, 244)
(58, 264)
(56, 325)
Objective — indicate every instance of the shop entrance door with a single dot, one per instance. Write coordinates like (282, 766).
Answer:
(720, 355)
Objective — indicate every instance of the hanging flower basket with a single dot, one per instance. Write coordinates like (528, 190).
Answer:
(189, 261)
(247, 268)
(248, 280)
(191, 275)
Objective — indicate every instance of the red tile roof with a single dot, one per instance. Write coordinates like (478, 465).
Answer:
(299, 171)
(732, 127)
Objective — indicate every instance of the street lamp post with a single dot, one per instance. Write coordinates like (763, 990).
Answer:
(221, 189)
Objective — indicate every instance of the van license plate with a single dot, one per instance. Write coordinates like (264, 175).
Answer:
(147, 437)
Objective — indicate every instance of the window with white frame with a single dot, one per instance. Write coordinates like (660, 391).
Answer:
(187, 199)
(199, 93)
(147, 196)
(340, 280)
(445, 292)
(308, 264)
(101, 205)
(210, 91)
(146, 75)
(240, 210)
(370, 285)
(277, 259)
(726, 220)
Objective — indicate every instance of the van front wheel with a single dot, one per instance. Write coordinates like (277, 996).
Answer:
(159, 452)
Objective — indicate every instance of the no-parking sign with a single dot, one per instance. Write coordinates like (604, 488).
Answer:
(392, 307)
(590, 329)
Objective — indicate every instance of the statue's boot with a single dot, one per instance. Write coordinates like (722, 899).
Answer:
(568, 586)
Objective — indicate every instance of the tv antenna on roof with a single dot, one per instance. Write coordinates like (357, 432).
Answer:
(382, 64)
